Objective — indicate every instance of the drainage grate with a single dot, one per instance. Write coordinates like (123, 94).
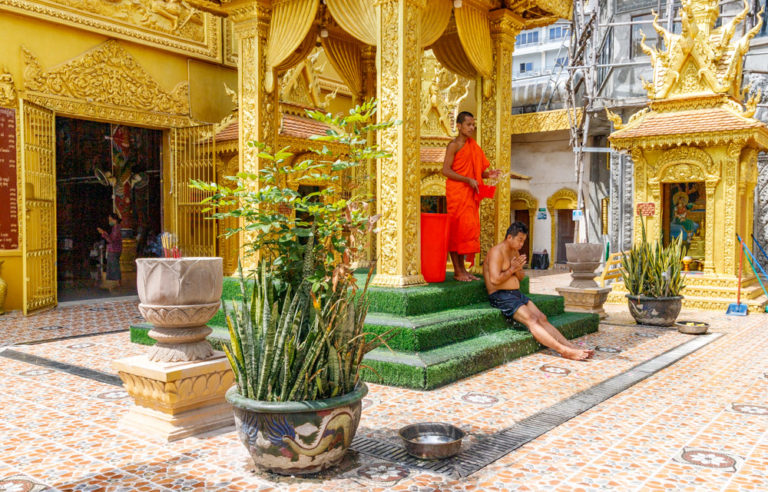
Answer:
(498, 445)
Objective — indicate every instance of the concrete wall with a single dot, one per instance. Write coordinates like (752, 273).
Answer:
(548, 160)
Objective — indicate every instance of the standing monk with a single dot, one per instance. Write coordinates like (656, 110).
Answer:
(465, 166)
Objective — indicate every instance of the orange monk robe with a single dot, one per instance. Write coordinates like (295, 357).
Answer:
(463, 203)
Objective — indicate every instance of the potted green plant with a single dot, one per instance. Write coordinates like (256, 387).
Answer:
(296, 335)
(653, 276)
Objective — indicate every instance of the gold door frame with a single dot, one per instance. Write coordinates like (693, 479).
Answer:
(193, 157)
(38, 206)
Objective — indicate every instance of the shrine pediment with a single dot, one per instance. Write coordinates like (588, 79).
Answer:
(106, 75)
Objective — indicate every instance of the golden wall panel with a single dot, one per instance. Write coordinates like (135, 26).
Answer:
(164, 24)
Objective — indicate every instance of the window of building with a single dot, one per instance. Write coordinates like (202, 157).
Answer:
(528, 37)
(557, 32)
(561, 62)
(639, 24)
(526, 67)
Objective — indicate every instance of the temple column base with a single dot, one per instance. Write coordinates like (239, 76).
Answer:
(384, 280)
(174, 400)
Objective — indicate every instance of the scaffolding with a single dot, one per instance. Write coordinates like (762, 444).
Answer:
(591, 65)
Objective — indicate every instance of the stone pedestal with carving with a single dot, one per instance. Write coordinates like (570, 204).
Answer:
(178, 388)
(584, 295)
(174, 400)
(589, 300)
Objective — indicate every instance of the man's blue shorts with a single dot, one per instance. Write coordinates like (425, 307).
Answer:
(508, 301)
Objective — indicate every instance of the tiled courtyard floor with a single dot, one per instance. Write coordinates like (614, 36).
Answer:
(700, 424)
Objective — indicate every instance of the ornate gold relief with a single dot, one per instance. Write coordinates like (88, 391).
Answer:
(543, 121)
(433, 185)
(702, 58)
(106, 75)
(171, 25)
(7, 89)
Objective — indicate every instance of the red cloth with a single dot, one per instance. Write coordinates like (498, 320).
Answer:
(462, 201)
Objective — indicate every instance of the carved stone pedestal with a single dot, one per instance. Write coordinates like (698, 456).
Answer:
(588, 300)
(174, 400)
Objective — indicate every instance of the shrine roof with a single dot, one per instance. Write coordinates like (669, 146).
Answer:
(712, 120)
(292, 126)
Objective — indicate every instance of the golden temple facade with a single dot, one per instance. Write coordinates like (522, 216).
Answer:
(162, 66)
(695, 151)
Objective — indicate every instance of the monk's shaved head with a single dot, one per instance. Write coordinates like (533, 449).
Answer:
(463, 116)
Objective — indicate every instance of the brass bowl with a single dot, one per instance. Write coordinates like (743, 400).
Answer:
(692, 327)
(432, 440)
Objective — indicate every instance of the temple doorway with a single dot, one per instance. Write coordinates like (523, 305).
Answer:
(103, 168)
(684, 213)
(524, 216)
(566, 229)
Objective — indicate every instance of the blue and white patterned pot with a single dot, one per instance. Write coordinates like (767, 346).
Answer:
(295, 438)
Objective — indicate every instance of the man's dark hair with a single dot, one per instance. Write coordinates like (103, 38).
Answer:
(463, 116)
(516, 228)
(116, 217)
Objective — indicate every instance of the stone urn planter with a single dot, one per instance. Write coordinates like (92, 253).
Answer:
(178, 297)
(656, 311)
(583, 260)
(583, 295)
(294, 438)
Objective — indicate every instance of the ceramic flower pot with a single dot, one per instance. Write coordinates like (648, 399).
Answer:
(295, 438)
(657, 311)
(583, 259)
(179, 296)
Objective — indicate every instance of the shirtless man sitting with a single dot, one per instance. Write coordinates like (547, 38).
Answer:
(503, 271)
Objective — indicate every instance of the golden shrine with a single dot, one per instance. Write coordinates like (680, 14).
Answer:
(695, 152)
(472, 38)
(161, 66)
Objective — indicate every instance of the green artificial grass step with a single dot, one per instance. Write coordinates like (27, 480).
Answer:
(433, 368)
(428, 331)
(432, 298)
(409, 301)
(140, 335)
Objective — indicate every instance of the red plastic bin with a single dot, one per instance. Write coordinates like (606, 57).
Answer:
(434, 246)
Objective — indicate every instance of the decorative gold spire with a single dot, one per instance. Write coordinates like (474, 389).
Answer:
(701, 59)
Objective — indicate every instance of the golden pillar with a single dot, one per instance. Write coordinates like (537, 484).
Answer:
(398, 63)
(258, 107)
(495, 111)
(369, 92)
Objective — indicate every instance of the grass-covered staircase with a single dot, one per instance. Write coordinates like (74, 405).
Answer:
(438, 333)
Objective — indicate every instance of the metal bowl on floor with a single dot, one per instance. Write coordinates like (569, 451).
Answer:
(432, 440)
(692, 327)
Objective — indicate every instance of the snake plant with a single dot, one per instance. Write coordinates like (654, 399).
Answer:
(295, 346)
(652, 270)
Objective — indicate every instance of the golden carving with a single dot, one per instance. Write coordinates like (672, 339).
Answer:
(399, 90)
(172, 25)
(7, 89)
(562, 199)
(106, 76)
(615, 119)
(702, 58)
(433, 185)
(542, 121)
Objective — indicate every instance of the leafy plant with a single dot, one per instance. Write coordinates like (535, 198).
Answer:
(652, 270)
(297, 331)
(279, 219)
(301, 346)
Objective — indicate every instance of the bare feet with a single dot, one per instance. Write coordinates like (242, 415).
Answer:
(463, 277)
(575, 354)
(572, 345)
(472, 276)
